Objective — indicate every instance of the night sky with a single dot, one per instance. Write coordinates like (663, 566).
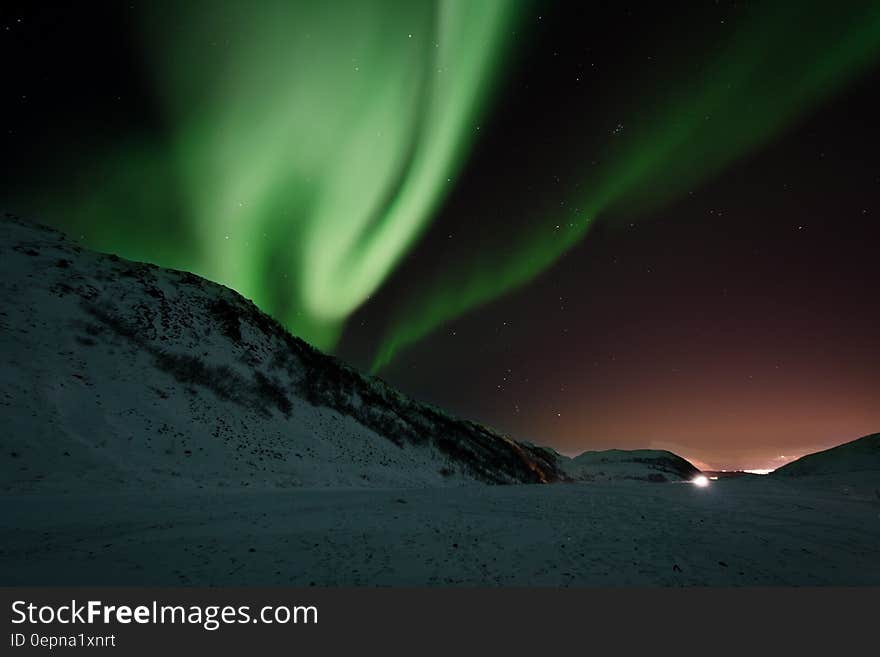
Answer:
(588, 227)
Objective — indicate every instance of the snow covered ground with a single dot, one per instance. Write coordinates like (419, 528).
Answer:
(738, 532)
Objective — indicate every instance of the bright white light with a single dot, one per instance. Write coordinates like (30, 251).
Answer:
(700, 480)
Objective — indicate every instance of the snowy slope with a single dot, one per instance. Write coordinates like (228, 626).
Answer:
(118, 374)
(639, 464)
(862, 455)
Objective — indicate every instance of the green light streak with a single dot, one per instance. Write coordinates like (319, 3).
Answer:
(786, 61)
(310, 143)
(339, 148)
(307, 145)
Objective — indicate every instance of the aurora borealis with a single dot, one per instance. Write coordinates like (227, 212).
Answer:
(324, 139)
(311, 141)
(380, 176)
(744, 94)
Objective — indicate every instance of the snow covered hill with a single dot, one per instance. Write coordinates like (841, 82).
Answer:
(640, 464)
(118, 374)
(862, 455)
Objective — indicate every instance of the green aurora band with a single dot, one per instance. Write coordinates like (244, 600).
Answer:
(305, 147)
(332, 135)
(787, 60)
(310, 144)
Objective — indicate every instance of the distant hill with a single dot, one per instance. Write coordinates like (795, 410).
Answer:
(122, 374)
(731, 474)
(639, 464)
(862, 455)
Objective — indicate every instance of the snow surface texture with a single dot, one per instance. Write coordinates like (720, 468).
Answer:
(737, 532)
(119, 374)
